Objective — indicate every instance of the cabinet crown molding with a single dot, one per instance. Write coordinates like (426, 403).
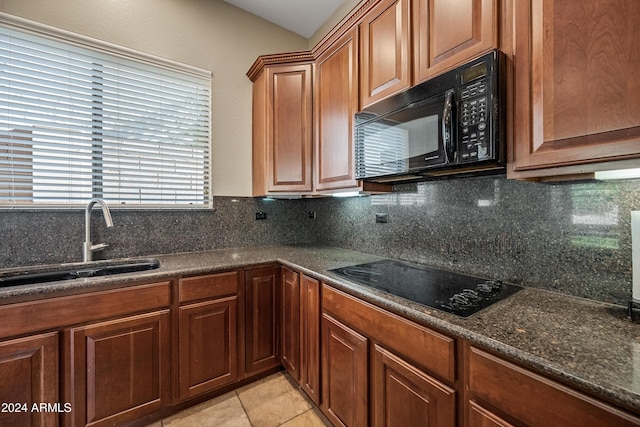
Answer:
(279, 58)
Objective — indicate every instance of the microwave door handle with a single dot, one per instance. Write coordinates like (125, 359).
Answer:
(447, 127)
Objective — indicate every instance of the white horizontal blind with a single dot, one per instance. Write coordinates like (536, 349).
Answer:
(78, 123)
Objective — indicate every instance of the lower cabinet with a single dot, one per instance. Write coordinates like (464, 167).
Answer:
(377, 364)
(208, 346)
(500, 393)
(261, 319)
(208, 333)
(118, 370)
(403, 395)
(117, 356)
(345, 374)
(28, 377)
(300, 330)
(310, 337)
(290, 322)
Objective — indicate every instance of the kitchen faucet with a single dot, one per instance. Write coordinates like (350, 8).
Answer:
(89, 248)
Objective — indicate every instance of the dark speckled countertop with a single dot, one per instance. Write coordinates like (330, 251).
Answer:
(583, 342)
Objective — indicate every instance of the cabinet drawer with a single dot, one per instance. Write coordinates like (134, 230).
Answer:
(429, 349)
(209, 286)
(50, 313)
(533, 399)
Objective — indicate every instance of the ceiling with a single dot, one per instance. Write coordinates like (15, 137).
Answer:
(303, 17)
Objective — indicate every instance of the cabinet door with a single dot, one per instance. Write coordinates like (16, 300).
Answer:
(28, 376)
(447, 33)
(310, 337)
(289, 128)
(261, 321)
(345, 362)
(386, 50)
(336, 103)
(290, 322)
(208, 345)
(576, 86)
(404, 395)
(117, 371)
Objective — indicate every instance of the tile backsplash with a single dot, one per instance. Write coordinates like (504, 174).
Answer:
(573, 238)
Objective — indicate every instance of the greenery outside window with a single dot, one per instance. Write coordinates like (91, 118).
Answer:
(81, 119)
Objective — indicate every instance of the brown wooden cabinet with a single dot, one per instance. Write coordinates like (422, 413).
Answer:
(310, 337)
(28, 376)
(118, 370)
(575, 87)
(500, 392)
(336, 102)
(428, 349)
(104, 372)
(208, 333)
(385, 40)
(290, 322)
(448, 33)
(282, 130)
(345, 382)
(300, 330)
(411, 371)
(261, 319)
(403, 395)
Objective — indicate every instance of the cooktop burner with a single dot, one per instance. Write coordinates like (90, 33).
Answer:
(444, 290)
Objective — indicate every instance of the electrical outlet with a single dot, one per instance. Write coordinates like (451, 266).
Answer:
(261, 215)
(382, 218)
(312, 214)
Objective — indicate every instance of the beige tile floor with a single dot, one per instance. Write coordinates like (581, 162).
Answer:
(270, 402)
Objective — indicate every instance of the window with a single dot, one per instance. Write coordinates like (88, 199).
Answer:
(81, 119)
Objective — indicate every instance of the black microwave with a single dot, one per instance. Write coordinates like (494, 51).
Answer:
(450, 124)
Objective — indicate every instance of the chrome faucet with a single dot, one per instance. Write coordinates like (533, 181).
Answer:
(89, 248)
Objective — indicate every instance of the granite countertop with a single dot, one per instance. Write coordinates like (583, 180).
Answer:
(586, 343)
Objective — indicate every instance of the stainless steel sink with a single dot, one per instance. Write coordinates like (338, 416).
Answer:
(43, 274)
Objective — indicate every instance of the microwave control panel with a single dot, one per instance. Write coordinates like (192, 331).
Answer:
(475, 110)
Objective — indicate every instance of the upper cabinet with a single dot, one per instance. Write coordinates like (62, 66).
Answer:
(297, 152)
(447, 33)
(282, 130)
(386, 48)
(576, 91)
(336, 103)
(572, 101)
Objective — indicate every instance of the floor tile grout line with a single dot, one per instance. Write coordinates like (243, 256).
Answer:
(293, 418)
(243, 408)
(293, 386)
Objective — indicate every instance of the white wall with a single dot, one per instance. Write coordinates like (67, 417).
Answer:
(209, 34)
(337, 16)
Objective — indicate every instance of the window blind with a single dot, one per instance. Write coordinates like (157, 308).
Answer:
(80, 122)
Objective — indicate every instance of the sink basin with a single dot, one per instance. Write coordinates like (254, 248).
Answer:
(43, 274)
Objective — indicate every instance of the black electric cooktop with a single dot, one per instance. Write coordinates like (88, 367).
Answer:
(444, 290)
